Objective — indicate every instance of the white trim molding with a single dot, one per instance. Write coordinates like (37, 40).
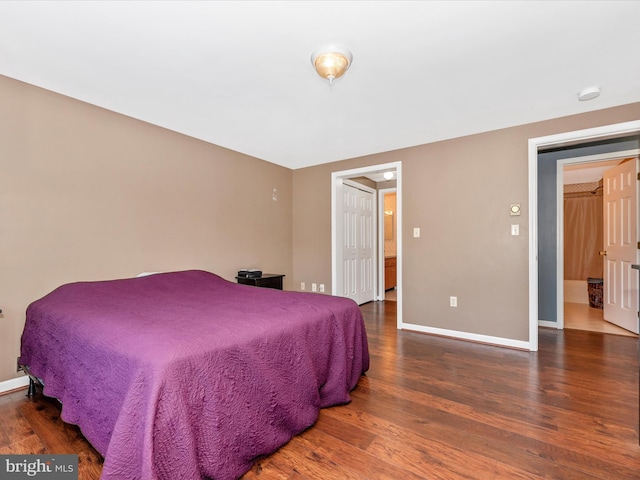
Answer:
(14, 384)
(473, 337)
(548, 324)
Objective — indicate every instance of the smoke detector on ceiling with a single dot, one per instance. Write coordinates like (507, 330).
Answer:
(588, 93)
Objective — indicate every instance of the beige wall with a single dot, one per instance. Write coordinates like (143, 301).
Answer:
(458, 192)
(88, 194)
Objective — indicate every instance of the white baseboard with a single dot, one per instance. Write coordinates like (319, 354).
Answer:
(474, 337)
(547, 323)
(13, 384)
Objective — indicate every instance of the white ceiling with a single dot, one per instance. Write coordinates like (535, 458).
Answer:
(238, 74)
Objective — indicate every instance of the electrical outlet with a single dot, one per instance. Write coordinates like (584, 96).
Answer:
(322, 288)
(314, 287)
(302, 286)
(453, 301)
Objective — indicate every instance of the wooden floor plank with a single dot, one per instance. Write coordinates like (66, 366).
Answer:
(14, 427)
(435, 408)
(29, 444)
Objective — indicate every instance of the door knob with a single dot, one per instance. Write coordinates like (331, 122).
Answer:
(603, 253)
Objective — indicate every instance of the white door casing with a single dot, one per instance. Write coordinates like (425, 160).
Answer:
(534, 147)
(337, 179)
(620, 245)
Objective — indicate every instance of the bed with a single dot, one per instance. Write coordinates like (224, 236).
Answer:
(185, 375)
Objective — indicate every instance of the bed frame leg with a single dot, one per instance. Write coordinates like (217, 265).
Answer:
(32, 388)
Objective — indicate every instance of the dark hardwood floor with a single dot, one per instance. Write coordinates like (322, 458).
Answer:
(436, 408)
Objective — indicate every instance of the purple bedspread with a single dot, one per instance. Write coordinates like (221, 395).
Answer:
(186, 375)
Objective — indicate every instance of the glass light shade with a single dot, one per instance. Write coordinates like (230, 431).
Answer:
(331, 62)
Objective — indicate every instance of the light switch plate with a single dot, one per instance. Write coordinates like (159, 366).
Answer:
(416, 232)
(515, 230)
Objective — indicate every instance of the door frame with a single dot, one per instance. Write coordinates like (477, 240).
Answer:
(534, 145)
(336, 179)
(560, 164)
(381, 260)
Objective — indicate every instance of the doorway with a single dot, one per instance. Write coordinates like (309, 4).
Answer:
(581, 237)
(337, 179)
(356, 228)
(388, 239)
(535, 146)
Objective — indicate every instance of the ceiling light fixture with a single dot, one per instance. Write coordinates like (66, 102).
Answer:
(331, 61)
(589, 93)
(388, 175)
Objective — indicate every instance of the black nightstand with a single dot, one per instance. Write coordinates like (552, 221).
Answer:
(267, 280)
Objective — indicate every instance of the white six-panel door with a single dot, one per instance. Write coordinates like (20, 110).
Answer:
(620, 245)
(358, 243)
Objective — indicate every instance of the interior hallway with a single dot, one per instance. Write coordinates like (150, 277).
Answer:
(391, 295)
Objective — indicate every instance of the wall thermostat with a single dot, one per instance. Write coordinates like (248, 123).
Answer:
(515, 209)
